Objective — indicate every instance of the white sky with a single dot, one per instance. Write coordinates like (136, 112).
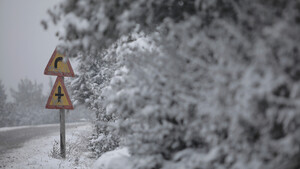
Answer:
(25, 47)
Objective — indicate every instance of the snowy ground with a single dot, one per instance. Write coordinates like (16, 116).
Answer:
(43, 152)
(117, 159)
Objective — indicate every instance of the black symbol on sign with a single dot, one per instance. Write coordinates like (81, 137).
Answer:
(58, 59)
(59, 94)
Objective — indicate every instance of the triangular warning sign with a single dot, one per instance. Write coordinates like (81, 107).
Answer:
(59, 65)
(59, 98)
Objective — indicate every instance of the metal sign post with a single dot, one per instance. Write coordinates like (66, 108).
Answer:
(59, 98)
(62, 133)
(62, 129)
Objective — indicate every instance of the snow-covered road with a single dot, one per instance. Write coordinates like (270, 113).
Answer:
(14, 137)
(33, 146)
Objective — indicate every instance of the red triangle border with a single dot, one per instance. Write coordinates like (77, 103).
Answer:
(48, 106)
(47, 72)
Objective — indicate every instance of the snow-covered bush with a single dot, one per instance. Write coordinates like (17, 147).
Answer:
(197, 84)
(93, 76)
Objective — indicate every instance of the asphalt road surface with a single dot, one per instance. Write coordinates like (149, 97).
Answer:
(15, 137)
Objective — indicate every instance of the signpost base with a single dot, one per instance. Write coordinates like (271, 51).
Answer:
(62, 133)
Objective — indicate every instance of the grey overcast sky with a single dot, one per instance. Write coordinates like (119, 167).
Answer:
(25, 47)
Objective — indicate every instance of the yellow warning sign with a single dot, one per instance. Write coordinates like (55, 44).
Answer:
(59, 65)
(59, 98)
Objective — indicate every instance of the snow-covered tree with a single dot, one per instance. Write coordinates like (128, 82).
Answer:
(3, 97)
(30, 105)
(196, 84)
(94, 74)
(28, 93)
(3, 103)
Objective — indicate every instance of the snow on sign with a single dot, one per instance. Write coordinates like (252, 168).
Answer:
(59, 65)
(59, 98)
